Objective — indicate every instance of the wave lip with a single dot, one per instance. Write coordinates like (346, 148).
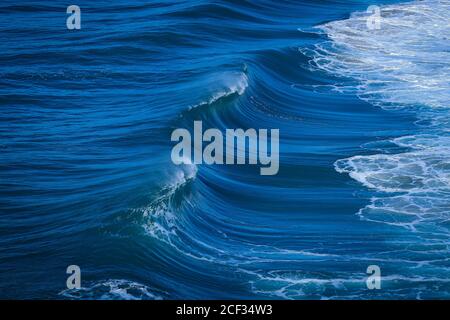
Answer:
(424, 169)
(160, 219)
(224, 85)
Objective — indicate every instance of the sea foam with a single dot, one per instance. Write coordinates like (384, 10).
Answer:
(404, 64)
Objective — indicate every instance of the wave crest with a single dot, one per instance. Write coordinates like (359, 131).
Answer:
(114, 289)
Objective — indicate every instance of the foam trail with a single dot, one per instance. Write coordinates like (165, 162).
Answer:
(114, 289)
(406, 63)
(160, 219)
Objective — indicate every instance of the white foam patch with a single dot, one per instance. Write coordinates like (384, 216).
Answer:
(418, 179)
(405, 62)
(114, 289)
(294, 284)
(425, 169)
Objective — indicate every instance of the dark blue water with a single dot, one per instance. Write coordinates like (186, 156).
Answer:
(86, 176)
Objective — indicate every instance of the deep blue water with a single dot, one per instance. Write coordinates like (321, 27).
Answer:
(86, 176)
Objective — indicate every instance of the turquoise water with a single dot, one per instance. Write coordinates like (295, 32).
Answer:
(86, 176)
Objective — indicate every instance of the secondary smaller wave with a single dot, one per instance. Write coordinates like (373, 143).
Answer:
(223, 85)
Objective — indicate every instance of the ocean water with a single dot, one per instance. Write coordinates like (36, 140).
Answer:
(86, 176)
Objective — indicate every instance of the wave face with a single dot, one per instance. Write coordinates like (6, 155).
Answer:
(86, 175)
